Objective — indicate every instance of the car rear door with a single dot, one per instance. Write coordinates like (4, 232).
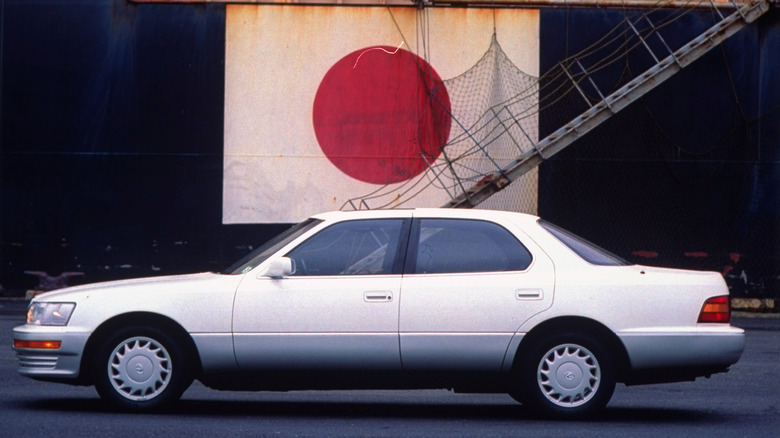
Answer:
(468, 286)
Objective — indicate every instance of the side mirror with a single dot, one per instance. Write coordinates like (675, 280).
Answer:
(279, 268)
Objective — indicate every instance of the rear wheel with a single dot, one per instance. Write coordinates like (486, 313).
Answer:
(566, 376)
(141, 369)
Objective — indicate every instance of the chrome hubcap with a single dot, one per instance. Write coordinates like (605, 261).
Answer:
(569, 375)
(139, 368)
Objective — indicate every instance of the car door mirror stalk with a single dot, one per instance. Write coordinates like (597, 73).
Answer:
(278, 268)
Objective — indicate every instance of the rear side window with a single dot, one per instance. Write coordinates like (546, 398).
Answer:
(458, 245)
(586, 250)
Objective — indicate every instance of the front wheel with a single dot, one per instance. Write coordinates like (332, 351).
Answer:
(141, 369)
(567, 376)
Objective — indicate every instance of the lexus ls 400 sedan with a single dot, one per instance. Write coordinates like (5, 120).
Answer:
(469, 300)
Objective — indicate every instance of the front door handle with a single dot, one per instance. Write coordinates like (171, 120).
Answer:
(378, 295)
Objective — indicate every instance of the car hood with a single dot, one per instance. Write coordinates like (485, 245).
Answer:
(74, 292)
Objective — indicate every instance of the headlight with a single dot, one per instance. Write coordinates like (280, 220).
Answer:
(50, 313)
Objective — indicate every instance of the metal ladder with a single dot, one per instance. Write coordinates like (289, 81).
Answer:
(744, 13)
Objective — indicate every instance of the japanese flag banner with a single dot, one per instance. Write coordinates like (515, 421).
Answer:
(326, 104)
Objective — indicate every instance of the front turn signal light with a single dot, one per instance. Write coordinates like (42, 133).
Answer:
(40, 345)
(716, 309)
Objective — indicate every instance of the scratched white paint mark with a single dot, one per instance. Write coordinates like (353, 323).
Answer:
(377, 48)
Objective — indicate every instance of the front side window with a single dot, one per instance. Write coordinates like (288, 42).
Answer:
(359, 247)
(267, 249)
(457, 245)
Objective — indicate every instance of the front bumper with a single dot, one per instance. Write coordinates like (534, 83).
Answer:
(62, 364)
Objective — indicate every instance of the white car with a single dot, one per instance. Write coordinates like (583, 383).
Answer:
(471, 300)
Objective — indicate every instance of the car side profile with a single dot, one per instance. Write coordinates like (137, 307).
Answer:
(468, 300)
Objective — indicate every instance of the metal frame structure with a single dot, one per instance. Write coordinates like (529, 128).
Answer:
(743, 14)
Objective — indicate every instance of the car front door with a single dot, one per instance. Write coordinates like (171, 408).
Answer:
(337, 311)
(468, 287)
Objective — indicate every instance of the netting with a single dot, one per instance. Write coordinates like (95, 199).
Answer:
(493, 125)
(495, 108)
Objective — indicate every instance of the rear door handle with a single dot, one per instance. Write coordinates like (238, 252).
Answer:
(529, 294)
(378, 295)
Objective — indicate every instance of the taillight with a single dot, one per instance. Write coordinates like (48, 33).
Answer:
(716, 309)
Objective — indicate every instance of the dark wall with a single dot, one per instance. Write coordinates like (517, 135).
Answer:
(112, 128)
(689, 175)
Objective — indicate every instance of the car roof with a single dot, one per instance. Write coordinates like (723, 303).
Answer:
(427, 212)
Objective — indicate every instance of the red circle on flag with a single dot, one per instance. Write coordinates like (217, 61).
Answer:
(382, 115)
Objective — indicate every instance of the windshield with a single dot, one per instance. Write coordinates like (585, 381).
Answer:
(591, 253)
(269, 248)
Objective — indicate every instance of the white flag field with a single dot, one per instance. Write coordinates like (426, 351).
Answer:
(326, 104)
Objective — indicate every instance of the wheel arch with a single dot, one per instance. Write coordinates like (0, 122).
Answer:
(578, 324)
(147, 319)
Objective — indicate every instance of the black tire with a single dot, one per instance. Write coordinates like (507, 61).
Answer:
(566, 376)
(141, 368)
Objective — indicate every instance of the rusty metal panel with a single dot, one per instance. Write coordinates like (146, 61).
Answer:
(654, 4)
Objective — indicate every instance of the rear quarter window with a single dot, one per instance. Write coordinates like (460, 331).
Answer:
(588, 251)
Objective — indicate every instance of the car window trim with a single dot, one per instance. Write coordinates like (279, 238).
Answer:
(402, 253)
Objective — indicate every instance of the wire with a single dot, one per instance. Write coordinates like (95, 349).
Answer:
(495, 106)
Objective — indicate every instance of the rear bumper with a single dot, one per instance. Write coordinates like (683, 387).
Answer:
(681, 355)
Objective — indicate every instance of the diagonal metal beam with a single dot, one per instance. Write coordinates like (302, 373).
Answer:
(745, 14)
